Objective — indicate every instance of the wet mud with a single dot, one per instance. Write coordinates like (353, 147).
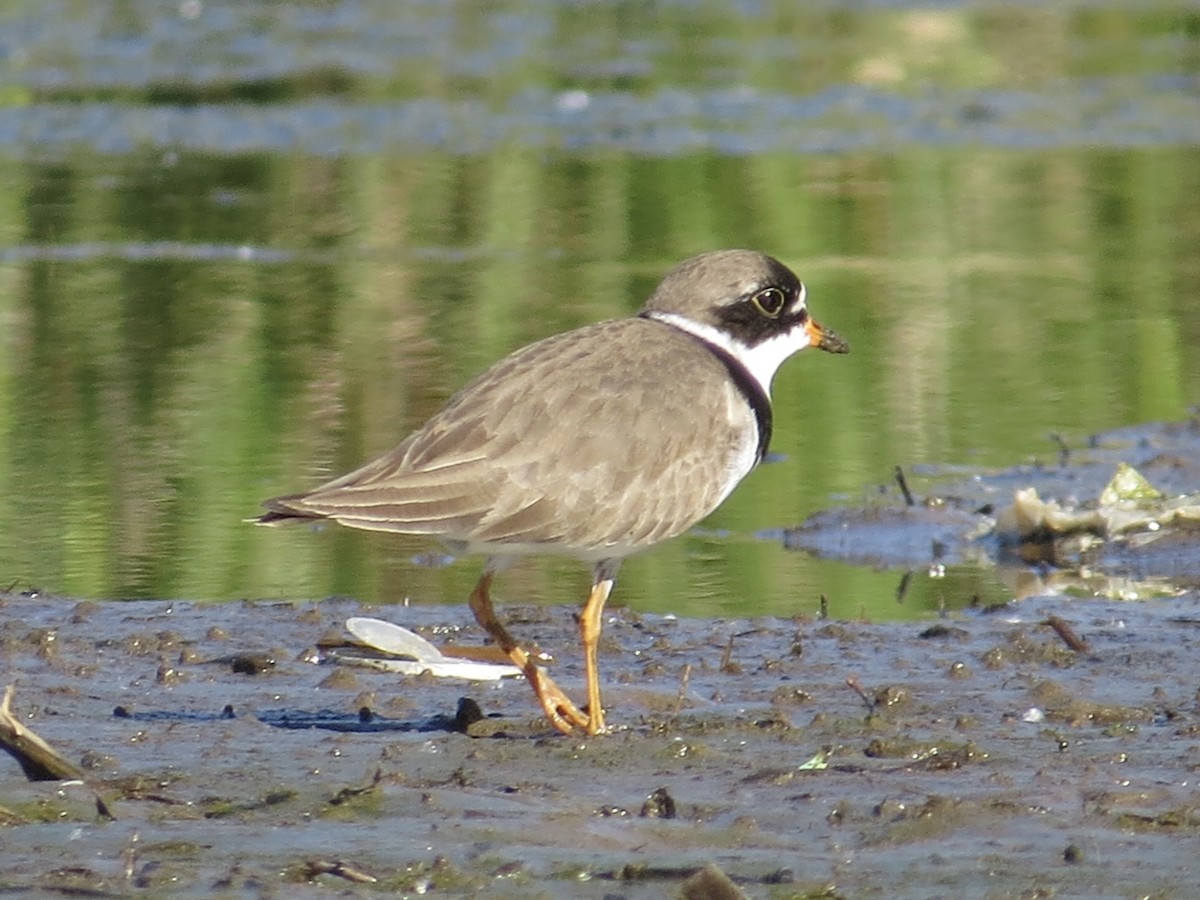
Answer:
(974, 756)
(1043, 748)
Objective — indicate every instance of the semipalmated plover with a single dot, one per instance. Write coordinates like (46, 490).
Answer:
(596, 443)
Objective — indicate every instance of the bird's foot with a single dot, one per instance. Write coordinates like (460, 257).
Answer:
(560, 709)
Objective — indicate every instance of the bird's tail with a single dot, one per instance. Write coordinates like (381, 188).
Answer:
(281, 512)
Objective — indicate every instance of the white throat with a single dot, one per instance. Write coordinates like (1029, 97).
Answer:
(761, 361)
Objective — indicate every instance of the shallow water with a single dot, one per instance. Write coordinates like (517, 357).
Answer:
(243, 249)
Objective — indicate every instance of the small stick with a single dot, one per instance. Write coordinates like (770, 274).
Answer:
(728, 666)
(1067, 633)
(37, 759)
(853, 684)
(338, 868)
(903, 482)
(1064, 450)
(681, 698)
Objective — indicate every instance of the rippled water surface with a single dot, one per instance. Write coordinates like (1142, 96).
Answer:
(243, 247)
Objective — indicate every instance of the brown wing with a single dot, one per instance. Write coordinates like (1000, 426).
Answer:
(617, 434)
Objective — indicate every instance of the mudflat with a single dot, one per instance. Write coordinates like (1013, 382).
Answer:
(977, 755)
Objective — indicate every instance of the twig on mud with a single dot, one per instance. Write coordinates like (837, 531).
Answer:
(903, 482)
(852, 683)
(37, 759)
(728, 666)
(347, 794)
(1067, 633)
(315, 867)
(681, 697)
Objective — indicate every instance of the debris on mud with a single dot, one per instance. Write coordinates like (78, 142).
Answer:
(1095, 524)
(37, 759)
(392, 648)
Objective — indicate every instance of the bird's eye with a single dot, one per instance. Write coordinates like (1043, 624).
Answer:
(770, 302)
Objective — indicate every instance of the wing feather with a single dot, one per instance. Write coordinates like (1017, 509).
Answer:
(576, 440)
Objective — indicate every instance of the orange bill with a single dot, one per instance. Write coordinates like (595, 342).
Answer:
(824, 339)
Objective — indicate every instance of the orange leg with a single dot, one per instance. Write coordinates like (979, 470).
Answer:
(590, 624)
(562, 713)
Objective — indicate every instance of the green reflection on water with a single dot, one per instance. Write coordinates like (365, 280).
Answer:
(156, 382)
(151, 403)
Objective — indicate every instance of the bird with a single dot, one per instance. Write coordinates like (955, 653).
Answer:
(595, 443)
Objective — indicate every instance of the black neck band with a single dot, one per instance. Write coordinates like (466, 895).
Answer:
(749, 387)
